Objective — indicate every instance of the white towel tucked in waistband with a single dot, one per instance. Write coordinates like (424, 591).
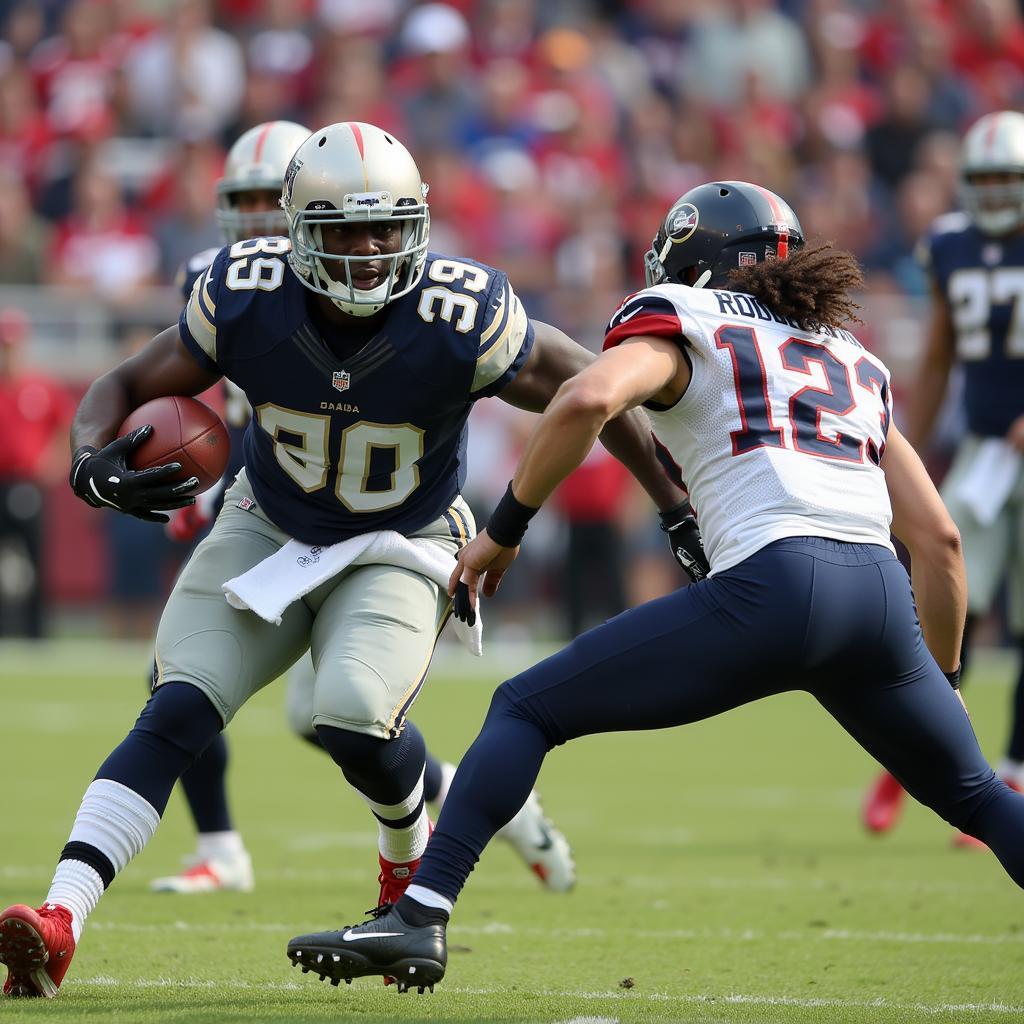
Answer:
(295, 569)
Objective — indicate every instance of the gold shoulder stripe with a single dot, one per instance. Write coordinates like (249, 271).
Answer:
(498, 318)
(210, 305)
(515, 323)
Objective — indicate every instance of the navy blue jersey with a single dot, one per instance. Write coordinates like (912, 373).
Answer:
(194, 267)
(372, 440)
(982, 279)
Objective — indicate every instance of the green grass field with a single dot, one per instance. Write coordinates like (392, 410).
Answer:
(724, 876)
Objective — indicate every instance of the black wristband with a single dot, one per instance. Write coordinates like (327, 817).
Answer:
(953, 678)
(509, 520)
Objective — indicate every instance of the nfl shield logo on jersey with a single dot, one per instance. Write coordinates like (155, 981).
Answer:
(341, 380)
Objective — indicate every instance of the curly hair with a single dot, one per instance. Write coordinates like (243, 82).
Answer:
(811, 288)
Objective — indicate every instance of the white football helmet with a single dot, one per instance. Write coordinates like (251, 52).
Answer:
(355, 172)
(994, 145)
(257, 160)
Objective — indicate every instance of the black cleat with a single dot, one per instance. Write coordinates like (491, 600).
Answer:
(384, 946)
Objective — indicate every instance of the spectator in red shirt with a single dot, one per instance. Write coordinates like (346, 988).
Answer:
(102, 247)
(34, 416)
(593, 500)
(75, 72)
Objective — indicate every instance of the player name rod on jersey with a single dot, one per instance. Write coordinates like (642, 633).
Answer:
(746, 305)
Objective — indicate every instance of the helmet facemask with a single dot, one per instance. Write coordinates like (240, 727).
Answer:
(402, 269)
(237, 224)
(997, 207)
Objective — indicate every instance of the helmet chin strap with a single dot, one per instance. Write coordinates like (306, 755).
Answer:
(702, 280)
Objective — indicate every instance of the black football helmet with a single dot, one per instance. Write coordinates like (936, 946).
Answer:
(715, 228)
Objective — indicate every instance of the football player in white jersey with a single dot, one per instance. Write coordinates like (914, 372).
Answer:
(780, 422)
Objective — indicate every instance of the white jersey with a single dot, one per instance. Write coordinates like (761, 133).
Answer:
(780, 431)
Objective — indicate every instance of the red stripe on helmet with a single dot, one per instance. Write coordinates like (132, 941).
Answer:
(261, 140)
(780, 222)
(358, 136)
(990, 135)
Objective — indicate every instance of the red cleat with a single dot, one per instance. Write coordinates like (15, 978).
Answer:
(883, 804)
(37, 947)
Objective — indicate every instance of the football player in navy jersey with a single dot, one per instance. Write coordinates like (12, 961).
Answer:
(248, 206)
(976, 262)
(737, 349)
(362, 354)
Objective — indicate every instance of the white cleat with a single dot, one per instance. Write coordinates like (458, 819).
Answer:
(544, 849)
(231, 873)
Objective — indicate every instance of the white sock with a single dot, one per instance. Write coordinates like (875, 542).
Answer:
(447, 774)
(429, 898)
(118, 822)
(219, 845)
(401, 845)
(78, 887)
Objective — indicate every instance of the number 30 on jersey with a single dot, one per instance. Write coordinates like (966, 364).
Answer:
(301, 448)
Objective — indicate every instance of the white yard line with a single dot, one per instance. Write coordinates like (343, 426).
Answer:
(732, 998)
(501, 928)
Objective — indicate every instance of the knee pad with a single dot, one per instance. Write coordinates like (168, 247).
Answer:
(385, 771)
(182, 715)
(352, 692)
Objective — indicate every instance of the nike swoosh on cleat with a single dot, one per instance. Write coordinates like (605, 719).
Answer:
(350, 936)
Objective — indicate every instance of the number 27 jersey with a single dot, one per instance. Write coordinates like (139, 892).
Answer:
(780, 432)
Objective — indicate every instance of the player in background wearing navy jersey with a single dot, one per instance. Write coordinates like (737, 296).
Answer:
(976, 263)
(782, 421)
(248, 206)
(361, 354)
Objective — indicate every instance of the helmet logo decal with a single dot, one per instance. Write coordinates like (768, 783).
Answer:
(294, 166)
(684, 223)
(748, 259)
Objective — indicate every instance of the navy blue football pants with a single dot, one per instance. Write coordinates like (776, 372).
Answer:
(835, 619)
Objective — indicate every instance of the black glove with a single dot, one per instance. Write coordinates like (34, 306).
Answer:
(461, 607)
(684, 540)
(101, 477)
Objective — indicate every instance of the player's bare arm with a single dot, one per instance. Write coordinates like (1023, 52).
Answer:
(553, 361)
(920, 520)
(163, 367)
(616, 383)
(940, 347)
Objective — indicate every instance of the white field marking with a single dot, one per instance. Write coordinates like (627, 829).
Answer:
(731, 998)
(590, 1020)
(515, 878)
(655, 934)
(102, 658)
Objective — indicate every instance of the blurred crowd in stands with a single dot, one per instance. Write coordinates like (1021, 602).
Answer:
(553, 133)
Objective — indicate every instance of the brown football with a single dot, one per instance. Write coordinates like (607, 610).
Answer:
(184, 430)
